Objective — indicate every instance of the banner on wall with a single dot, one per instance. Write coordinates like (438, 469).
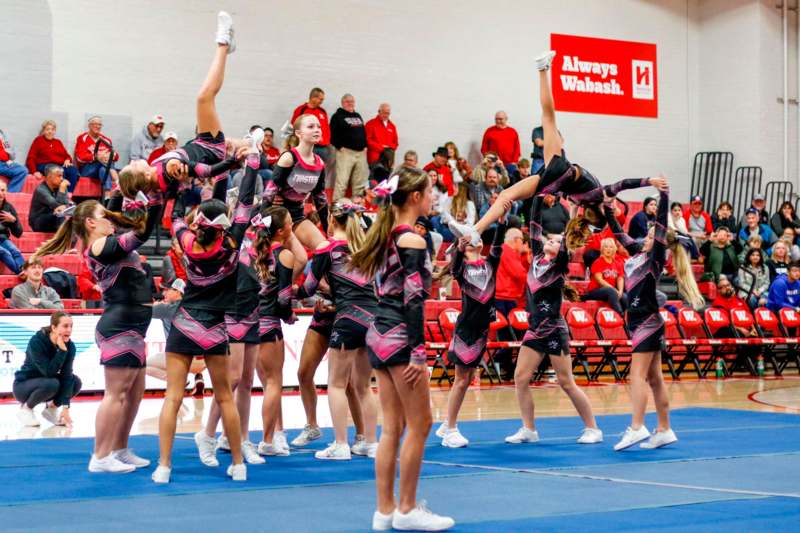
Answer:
(16, 331)
(604, 76)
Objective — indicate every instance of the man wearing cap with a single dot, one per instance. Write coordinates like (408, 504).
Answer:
(439, 164)
(698, 222)
(93, 160)
(759, 203)
(503, 140)
(147, 140)
(170, 144)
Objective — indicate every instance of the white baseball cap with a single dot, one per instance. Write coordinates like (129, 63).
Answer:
(157, 119)
(171, 135)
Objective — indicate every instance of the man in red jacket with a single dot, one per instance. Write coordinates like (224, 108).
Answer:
(503, 140)
(512, 272)
(439, 164)
(323, 148)
(381, 135)
(94, 163)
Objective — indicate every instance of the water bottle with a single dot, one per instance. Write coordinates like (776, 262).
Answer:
(720, 370)
(760, 365)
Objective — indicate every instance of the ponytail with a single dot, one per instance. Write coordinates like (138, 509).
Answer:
(355, 233)
(370, 256)
(570, 293)
(687, 285)
(263, 244)
(347, 216)
(577, 233)
(60, 242)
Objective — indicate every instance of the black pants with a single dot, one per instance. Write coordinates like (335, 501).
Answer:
(34, 391)
(607, 294)
(46, 222)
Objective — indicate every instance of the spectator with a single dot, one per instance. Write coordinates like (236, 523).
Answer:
(784, 219)
(147, 140)
(752, 226)
(170, 144)
(490, 160)
(698, 222)
(753, 279)
(790, 238)
(439, 164)
(87, 285)
(537, 155)
(592, 249)
(9, 168)
(779, 260)
(410, 159)
(607, 281)
(93, 160)
(45, 150)
(676, 220)
(31, 293)
(438, 195)
(49, 201)
(785, 290)
(323, 148)
(503, 140)
(724, 217)
(759, 204)
(523, 171)
(9, 225)
(727, 298)
(459, 208)
(754, 242)
(381, 135)
(46, 374)
(349, 136)
(166, 308)
(453, 159)
(554, 215)
(640, 223)
(485, 193)
(721, 256)
(270, 154)
(423, 228)
(512, 272)
(174, 265)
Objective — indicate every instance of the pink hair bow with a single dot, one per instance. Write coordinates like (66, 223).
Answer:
(385, 189)
(261, 222)
(220, 222)
(140, 202)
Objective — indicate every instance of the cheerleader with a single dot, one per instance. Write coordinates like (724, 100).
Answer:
(211, 246)
(397, 258)
(354, 298)
(642, 272)
(547, 333)
(476, 276)
(117, 267)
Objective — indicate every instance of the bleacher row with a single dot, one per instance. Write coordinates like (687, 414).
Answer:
(600, 342)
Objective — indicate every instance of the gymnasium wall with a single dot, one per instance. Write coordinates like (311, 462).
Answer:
(445, 67)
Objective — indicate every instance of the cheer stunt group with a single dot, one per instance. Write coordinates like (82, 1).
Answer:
(243, 262)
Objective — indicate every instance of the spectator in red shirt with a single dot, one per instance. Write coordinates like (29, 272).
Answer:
(270, 153)
(170, 144)
(503, 140)
(323, 148)
(440, 165)
(45, 150)
(607, 281)
(726, 296)
(93, 160)
(381, 135)
(10, 169)
(512, 272)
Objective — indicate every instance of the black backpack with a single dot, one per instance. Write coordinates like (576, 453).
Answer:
(62, 282)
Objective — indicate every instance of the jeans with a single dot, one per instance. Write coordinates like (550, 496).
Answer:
(10, 256)
(442, 229)
(609, 295)
(70, 173)
(16, 175)
(97, 170)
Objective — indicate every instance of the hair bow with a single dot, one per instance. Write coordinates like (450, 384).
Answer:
(261, 222)
(385, 189)
(350, 208)
(220, 222)
(140, 202)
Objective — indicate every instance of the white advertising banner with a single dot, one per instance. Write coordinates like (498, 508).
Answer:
(16, 331)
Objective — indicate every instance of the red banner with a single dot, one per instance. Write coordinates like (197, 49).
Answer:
(604, 76)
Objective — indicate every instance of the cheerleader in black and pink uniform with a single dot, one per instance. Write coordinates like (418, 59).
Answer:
(211, 247)
(547, 334)
(354, 297)
(642, 272)
(398, 260)
(276, 265)
(476, 276)
(116, 265)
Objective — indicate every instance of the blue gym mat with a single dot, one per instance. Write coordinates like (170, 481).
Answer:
(731, 470)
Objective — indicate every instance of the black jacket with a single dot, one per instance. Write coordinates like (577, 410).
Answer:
(10, 228)
(348, 131)
(43, 359)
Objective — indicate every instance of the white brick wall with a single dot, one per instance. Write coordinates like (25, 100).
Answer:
(446, 67)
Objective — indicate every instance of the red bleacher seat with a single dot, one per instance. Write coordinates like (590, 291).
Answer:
(611, 327)
(31, 182)
(693, 328)
(69, 262)
(708, 289)
(72, 303)
(8, 281)
(447, 320)
(790, 325)
(30, 241)
(88, 188)
(776, 349)
(675, 350)
(585, 342)
(434, 307)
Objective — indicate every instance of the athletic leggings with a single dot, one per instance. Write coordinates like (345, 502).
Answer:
(34, 391)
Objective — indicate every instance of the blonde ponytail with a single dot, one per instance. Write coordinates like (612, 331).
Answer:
(687, 285)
